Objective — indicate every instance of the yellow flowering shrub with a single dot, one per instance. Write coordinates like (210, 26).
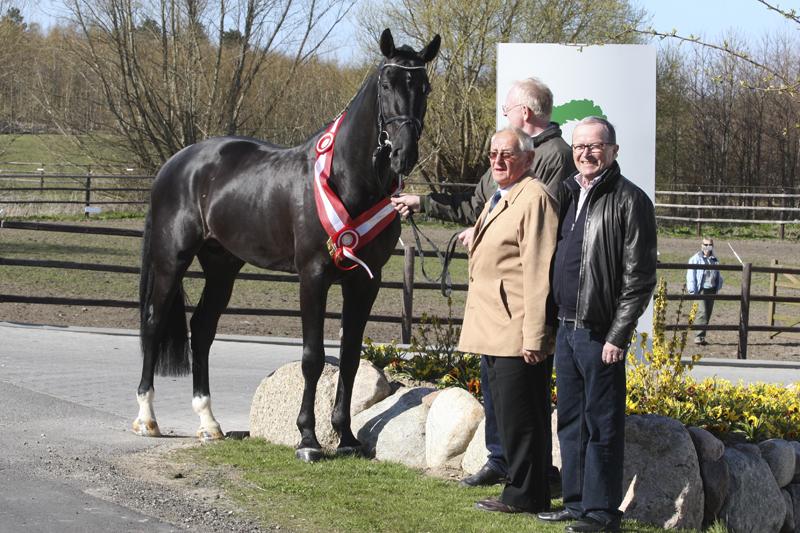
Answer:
(659, 383)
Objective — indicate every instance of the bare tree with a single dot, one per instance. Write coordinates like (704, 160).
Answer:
(772, 79)
(717, 127)
(175, 71)
(461, 113)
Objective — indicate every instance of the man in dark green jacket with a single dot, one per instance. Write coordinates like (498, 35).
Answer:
(528, 106)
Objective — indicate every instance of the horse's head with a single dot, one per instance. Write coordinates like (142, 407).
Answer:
(403, 89)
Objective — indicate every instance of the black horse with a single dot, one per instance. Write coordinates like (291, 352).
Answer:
(231, 200)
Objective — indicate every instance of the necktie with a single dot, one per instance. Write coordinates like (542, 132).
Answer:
(495, 198)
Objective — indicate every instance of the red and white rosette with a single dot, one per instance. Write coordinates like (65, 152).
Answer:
(346, 235)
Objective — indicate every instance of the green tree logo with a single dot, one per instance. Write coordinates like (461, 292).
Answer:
(576, 110)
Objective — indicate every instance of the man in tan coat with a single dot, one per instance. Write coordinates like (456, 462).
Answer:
(509, 317)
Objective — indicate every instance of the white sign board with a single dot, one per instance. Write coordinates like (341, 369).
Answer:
(617, 81)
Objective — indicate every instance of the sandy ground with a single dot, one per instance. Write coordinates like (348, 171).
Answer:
(785, 346)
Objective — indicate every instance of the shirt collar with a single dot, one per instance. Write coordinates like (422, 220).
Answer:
(579, 180)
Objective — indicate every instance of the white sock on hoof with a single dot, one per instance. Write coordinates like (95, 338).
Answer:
(202, 406)
(146, 420)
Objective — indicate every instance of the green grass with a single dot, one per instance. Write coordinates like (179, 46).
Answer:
(61, 153)
(352, 494)
(109, 250)
(733, 231)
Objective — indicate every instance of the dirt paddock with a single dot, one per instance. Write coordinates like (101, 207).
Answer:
(102, 249)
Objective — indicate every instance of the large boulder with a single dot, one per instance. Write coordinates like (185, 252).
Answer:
(796, 446)
(394, 428)
(716, 480)
(789, 521)
(709, 447)
(661, 474)
(276, 402)
(794, 493)
(451, 423)
(754, 503)
(780, 457)
(476, 454)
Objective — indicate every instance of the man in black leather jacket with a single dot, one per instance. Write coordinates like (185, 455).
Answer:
(603, 280)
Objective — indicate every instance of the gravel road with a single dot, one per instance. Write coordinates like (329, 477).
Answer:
(70, 462)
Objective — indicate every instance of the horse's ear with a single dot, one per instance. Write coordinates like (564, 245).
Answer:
(429, 52)
(387, 44)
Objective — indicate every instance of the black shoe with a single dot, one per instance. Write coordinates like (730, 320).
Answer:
(700, 342)
(556, 516)
(484, 477)
(587, 524)
(496, 506)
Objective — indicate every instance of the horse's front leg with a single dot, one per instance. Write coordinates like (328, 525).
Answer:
(358, 294)
(313, 295)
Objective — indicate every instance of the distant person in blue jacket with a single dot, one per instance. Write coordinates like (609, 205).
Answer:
(702, 281)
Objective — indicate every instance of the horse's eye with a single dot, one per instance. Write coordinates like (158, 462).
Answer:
(385, 86)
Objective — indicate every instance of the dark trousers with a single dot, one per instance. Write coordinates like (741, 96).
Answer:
(496, 459)
(704, 309)
(522, 415)
(591, 424)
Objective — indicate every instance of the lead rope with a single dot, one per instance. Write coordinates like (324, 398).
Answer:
(444, 277)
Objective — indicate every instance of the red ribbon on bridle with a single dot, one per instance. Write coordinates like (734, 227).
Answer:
(345, 235)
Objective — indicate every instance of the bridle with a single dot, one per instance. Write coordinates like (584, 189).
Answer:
(385, 143)
(383, 136)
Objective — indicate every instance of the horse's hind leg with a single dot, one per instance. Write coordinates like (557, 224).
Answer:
(313, 295)
(163, 334)
(358, 293)
(220, 269)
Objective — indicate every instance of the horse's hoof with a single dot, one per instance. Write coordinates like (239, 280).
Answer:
(309, 455)
(349, 451)
(147, 428)
(208, 435)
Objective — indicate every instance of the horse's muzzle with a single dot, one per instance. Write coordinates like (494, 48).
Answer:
(405, 151)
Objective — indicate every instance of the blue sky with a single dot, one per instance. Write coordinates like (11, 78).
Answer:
(708, 18)
(712, 18)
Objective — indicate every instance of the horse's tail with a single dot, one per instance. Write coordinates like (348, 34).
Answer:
(170, 349)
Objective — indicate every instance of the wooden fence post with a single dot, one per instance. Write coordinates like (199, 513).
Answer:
(408, 294)
(88, 193)
(699, 213)
(782, 226)
(773, 291)
(744, 314)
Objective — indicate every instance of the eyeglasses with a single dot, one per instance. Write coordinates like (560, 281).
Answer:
(594, 147)
(708, 245)
(507, 110)
(505, 154)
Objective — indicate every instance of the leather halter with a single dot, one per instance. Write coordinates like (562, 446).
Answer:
(383, 135)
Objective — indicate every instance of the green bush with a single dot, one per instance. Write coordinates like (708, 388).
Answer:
(432, 356)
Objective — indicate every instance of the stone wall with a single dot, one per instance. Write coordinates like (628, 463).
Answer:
(675, 477)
